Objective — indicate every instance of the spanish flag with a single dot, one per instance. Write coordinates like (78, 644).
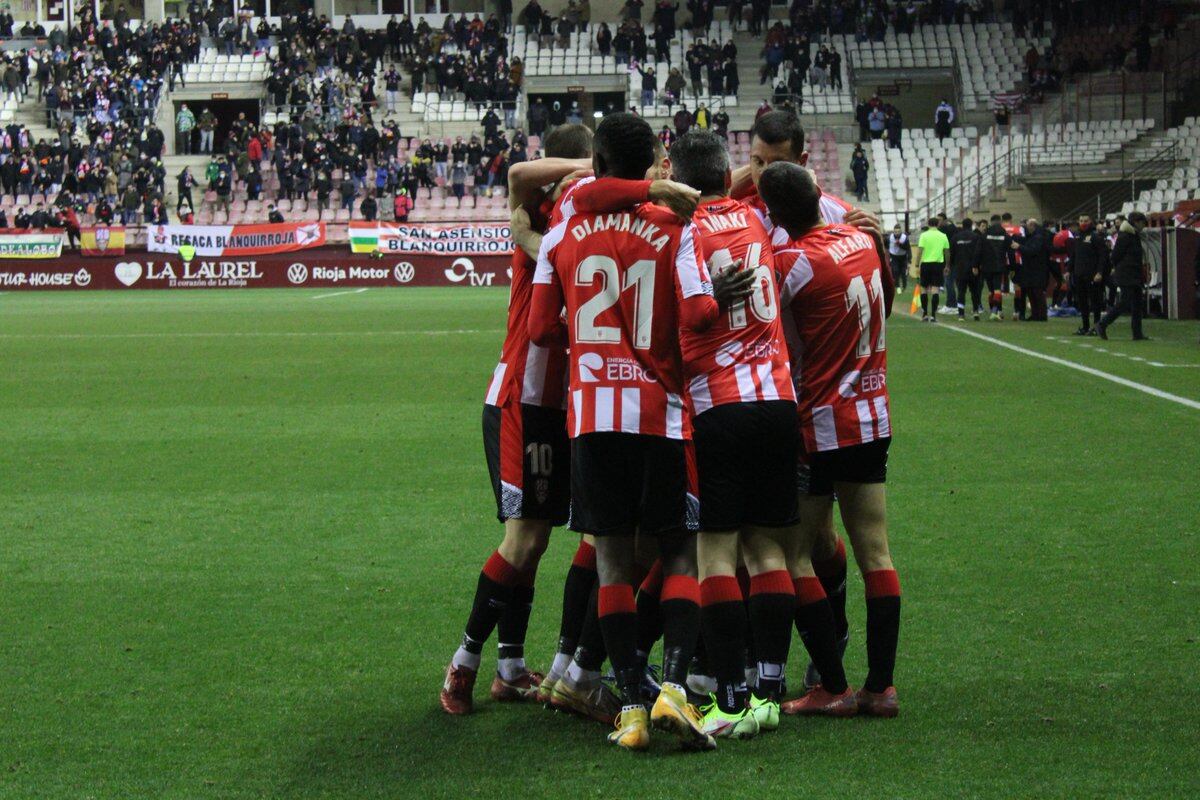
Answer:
(102, 240)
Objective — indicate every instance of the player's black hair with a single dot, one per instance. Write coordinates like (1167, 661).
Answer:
(1007, 217)
(995, 217)
(779, 127)
(569, 141)
(934, 222)
(699, 159)
(791, 195)
(624, 146)
(967, 222)
(1137, 216)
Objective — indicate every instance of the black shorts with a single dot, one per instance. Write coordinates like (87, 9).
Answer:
(527, 451)
(816, 473)
(622, 482)
(745, 454)
(933, 275)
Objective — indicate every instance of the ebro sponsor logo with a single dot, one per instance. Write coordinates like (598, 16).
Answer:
(623, 370)
(297, 274)
(463, 269)
(854, 382)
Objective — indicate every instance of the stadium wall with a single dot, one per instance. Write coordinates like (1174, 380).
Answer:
(322, 268)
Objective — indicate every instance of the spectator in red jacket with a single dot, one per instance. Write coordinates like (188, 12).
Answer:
(254, 150)
(403, 206)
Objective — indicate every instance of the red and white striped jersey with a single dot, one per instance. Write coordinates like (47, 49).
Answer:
(742, 358)
(834, 320)
(529, 373)
(622, 277)
(833, 212)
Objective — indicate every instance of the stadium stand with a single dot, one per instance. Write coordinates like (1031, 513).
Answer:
(1184, 183)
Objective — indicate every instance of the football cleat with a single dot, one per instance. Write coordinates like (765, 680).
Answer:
(977, 316)
(456, 690)
(672, 712)
(1081, 332)
(812, 676)
(546, 688)
(878, 704)
(1102, 331)
(820, 703)
(522, 688)
(723, 725)
(766, 711)
(632, 729)
(594, 701)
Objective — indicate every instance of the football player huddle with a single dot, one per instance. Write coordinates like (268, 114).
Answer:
(695, 368)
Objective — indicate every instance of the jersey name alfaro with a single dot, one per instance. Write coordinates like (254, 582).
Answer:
(622, 277)
(834, 322)
(742, 358)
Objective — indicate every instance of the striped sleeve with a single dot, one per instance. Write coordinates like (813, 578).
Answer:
(690, 266)
(797, 272)
(545, 267)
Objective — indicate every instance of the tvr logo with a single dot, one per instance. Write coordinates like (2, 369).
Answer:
(463, 269)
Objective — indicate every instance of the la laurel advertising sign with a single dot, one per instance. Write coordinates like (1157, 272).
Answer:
(324, 268)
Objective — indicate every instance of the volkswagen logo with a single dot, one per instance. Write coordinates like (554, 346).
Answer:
(297, 273)
(404, 272)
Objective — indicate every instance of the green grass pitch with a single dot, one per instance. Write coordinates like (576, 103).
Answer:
(239, 533)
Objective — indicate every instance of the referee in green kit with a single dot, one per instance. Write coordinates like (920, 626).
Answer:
(932, 245)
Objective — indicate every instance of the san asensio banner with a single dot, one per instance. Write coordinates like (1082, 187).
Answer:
(399, 237)
(235, 240)
(31, 245)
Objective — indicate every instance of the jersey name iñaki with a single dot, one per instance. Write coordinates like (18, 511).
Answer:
(833, 300)
(742, 358)
(622, 276)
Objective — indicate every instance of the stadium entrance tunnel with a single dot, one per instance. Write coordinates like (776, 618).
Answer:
(226, 111)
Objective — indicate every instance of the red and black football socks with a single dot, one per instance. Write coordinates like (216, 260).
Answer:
(590, 653)
(814, 621)
(883, 627)
(680, 605)
(723, 622)
(832, 573)
(649, 611)
(513, 625)
(578, 590)
(618, 620)
(493, 594)
(772, 606)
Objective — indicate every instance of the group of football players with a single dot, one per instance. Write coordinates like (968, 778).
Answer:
(694, 370)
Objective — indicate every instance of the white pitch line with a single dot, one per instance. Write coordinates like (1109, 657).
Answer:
(335, 294)
(242, 334)
(1141, 387)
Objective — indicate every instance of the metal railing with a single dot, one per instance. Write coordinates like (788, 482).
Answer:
(1140, 177)
(999, 173)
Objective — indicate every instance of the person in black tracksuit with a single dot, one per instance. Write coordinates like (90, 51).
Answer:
(1034, 274)
(994, 263)
(1127, 265)
(965, 255)
(1089, 269)
(947, 227)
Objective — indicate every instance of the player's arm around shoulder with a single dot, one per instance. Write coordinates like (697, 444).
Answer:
(545, 325)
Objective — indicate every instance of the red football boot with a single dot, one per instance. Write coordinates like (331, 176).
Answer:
(456, 691)
(878, 704)
(524, 687)
(819, 702)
